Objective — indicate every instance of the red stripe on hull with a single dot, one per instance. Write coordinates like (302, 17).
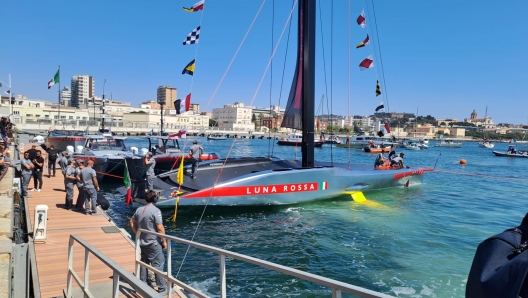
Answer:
(253, 190)
(410, 173)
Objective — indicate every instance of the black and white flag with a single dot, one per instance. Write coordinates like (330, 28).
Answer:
(193, 37)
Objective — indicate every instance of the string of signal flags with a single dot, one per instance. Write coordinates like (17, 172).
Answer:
(183, 105)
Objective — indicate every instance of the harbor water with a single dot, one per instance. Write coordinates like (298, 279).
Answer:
(415, 242)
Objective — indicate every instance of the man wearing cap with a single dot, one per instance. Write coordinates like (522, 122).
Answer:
(69, 181)
(91, 187)
(79, 205)
(397, 161)
(195, 152)
(27, 172)
(150, 162)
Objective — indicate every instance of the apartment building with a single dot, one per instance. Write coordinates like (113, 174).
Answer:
(82, 90)
(168, 95)
(234, 117)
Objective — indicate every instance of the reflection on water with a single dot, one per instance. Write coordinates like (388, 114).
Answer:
(420, 244)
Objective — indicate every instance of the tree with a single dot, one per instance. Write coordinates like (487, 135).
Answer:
(253, 118)
(212, 122)
(443, 124)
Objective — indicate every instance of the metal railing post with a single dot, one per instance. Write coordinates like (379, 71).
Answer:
(70, 268)
(169, 265)
(138, 254)
(115, 285)
(86, 269)
(223, 287)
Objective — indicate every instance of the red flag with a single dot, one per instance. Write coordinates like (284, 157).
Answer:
(366, 63)
(361, 21)
(181, 134)
(406, 184)
(127, 182)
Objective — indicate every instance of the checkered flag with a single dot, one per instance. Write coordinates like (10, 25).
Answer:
(193, 37)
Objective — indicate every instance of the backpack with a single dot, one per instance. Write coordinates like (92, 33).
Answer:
(500, 266)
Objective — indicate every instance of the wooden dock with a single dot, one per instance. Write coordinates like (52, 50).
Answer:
(52, 255)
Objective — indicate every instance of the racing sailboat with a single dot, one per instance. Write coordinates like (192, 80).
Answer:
(274, 181)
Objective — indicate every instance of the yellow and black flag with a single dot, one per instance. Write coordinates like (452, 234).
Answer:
(363, 43)
(378, 89)
(189, 69)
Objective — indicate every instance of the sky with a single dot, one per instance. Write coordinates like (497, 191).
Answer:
(440, 58)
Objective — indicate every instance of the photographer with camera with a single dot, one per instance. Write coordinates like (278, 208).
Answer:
(38, 163)
(149, 218)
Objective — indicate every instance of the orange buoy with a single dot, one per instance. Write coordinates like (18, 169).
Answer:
(462, 161)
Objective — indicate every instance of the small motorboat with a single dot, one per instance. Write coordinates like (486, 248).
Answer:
(216, 136)
(412, 146)
(513, 151)
(295, 139)
(486, 144)
(376, 149)
(448, 144)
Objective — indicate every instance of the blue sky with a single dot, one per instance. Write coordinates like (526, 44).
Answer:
(445, 58)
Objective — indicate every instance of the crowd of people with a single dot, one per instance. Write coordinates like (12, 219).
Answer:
(394, 161)
(77, 173)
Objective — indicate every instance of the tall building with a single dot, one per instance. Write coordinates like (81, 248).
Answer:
(234, 117)
(82, 89)
(167, 94)
(65, 96)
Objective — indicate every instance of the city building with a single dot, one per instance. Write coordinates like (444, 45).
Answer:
(82, 90)
(65, 96)
(234, 117)
(485, 122)
(195, 108)
(168, 95)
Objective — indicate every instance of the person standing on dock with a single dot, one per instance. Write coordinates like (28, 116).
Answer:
(27, 172)
(79, 205)
(91, 187)
(195, 152)
(149, 218)
(38, 162)
(151, 163)
(69, 180)
(32, 152)
(52, 160)
(63, 162)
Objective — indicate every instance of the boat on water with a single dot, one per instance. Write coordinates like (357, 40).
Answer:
(61, 139)
(167, 153)
(486, 144)
(448, 144)
(362, 140)
(108, 153)
(412, 146)
(514, 150)
(295, 139)
(273, 181)
(423, 144)
(332, 139)
(216, 136)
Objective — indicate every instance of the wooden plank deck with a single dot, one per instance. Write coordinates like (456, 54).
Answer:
(52, 256)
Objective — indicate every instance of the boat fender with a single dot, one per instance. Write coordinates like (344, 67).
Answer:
(500, 266)
(103, 202)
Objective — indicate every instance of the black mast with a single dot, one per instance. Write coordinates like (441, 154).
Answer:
(307, 23)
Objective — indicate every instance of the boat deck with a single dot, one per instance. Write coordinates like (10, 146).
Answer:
(52, 254)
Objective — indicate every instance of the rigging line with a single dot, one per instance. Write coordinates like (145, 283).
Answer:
(205, 207)
(271, 76)
(331, 62)
(349, 120)
(326, 85)
(381, 59)
(234, 56)
(196, 53)
(271, 58)
(284, 69)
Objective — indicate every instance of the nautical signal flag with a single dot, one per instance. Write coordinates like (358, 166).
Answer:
(363, 43)
(181, 134)
(196, 7)
(189, 69)
(361, 21)
(366, 63)
(381, 106)
(384, 130)
(378, 89)
(193, 37)
(55, 80)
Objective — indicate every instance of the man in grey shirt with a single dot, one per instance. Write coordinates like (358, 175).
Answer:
(27, 172)
(69, 181)
(91, 187)
(150, 162)
(149, 218)
(195, 152)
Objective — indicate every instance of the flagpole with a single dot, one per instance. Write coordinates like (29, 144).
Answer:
(59, 95)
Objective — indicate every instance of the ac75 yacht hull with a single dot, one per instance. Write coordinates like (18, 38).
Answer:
(265, 181)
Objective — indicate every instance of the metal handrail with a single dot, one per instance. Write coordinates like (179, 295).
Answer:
(119, 272)
(336, 287)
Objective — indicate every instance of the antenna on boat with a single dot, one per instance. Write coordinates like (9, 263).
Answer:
(103, 114)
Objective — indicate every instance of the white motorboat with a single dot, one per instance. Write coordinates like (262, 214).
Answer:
(216, 136)
(486, 144)
(448, 144)
(412, 146)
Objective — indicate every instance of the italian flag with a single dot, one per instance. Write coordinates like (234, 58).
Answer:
(324, 185)
(126, 180)
(55, 80)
